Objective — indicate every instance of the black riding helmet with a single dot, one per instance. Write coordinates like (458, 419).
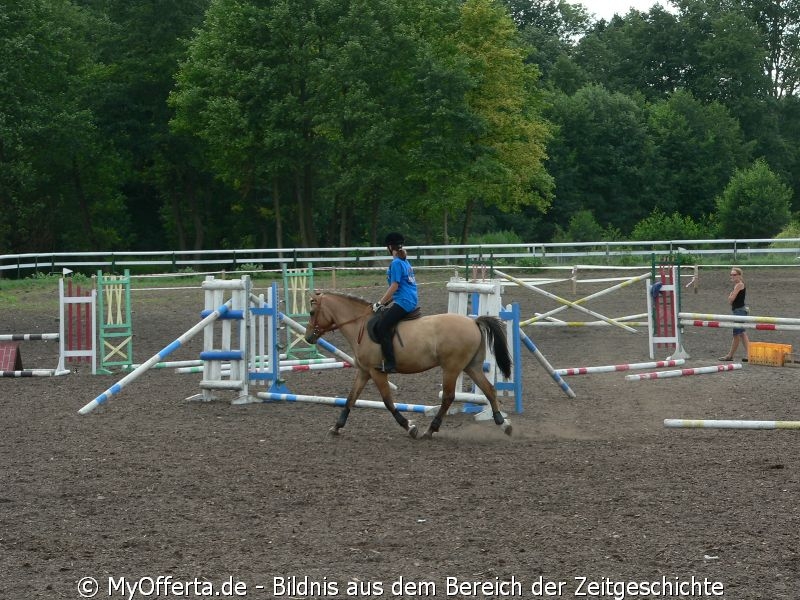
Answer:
(394, 239)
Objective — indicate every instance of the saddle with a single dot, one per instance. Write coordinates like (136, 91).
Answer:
(376, 318)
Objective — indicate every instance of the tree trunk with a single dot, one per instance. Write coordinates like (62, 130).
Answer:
(300, 200)
(467, 220)
(373, 221)
(177, 213)
(343, 229)
(84, 208)
(308, 206)
(276, 207)
(197, 220)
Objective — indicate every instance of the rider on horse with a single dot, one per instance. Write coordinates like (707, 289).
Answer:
(402, 293)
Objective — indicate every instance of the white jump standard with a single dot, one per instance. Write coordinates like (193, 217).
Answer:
(76, 336)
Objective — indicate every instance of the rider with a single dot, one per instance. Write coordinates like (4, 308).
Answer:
(402, 293)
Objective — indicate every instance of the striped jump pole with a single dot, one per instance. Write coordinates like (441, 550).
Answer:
(282, 368)
(684, 372)
(35, 373)
(263, 362)
(416, 408)
(729, 424)
(564, 301)
(623, 367)
(741, 318)
(179, 364)
(27, 337)
(547, 366)
(166, 351)
(315, 366)
(737, 325)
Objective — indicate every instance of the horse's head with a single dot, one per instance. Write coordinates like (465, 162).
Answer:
(331, 311)
(319, 321)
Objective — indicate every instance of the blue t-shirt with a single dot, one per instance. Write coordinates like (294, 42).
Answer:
(400, 271)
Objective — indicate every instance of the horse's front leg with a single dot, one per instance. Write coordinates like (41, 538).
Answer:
(362, 377)
(448, 395)
(382, 382)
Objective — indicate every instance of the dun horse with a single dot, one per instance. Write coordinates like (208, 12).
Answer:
(453, 342)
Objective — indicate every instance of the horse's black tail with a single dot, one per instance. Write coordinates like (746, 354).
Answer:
(495, 333)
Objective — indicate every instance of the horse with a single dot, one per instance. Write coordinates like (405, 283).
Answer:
(453, 342)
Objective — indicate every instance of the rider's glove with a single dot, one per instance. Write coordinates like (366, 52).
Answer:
(376, 307)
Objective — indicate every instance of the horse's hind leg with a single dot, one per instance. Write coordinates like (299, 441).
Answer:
(448, 395)
(382, 383)
(358, 386)
(476, 374)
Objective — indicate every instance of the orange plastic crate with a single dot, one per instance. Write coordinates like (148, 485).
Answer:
(763, 353)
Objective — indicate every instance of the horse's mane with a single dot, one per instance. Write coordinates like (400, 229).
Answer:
(346, 296)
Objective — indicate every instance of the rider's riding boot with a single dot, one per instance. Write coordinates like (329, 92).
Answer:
(388, 355)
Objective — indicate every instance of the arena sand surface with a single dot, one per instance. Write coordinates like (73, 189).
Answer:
(592, 488)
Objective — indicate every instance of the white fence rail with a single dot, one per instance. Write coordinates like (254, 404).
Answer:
(530, 254)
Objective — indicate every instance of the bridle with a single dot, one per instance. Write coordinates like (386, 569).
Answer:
(317, 331)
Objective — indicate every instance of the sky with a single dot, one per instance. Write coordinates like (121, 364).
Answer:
(605, 9)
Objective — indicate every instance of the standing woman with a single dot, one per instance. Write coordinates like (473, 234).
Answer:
(737, 302)
(402, 293)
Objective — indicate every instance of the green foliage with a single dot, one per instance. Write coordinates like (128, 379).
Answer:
(639, 54)
(248, 267)
(659, 226)
(755, 204)
(506, 168)
(583, 227)
(698, 146)
(308, 122)
(58, 180)
(601, 158)
(496, 237)
(792, 230)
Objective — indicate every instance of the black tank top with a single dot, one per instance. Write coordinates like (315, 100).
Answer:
(738, 302)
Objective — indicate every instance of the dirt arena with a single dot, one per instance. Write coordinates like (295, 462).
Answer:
(591, 498)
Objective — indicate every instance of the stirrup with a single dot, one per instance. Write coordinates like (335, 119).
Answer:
(387, 368)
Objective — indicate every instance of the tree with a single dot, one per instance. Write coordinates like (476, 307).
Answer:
(507, 169)
(59, 181)
(601, 158)
(139, 45)
(393, 116)
(697, 148)
(755, 204)
(549, 29)
(639, 53)
(779, 23)
(244, 91)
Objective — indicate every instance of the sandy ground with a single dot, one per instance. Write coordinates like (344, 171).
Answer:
(588, 495)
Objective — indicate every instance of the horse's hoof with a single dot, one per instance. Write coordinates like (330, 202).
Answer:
(428, 435)
(333, 430)
(506, 427)
(412, 430)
